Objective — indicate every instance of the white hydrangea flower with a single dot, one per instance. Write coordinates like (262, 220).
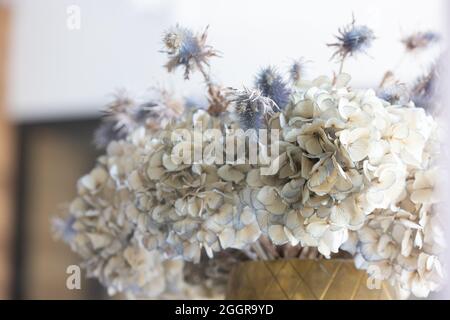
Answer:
(353, 173)
(351, 176)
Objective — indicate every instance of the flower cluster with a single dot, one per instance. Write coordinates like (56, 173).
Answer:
(355, 173)
(188, 206)
(101, 226)
(347, 170)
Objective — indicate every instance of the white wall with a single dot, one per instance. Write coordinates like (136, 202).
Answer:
(55, 72)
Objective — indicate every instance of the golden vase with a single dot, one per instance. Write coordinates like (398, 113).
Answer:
(296, 279)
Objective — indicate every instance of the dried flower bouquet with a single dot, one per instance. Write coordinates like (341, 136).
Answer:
(339, 172)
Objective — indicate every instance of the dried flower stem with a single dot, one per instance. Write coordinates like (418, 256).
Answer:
(259, 251)
(387, 75)
(391, 73)
(340, 70)
(341, 65)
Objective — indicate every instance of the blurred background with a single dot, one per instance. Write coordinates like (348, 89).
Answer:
(60, 60)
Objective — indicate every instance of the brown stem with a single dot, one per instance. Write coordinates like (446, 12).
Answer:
(341, 66)
(269, 248)
(259, 251)
(205, 75)
(388, 74)
(251, 255)
(423, 84)
(217, 102)
(304, 253)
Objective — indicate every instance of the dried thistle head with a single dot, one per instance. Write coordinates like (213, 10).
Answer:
(420, 40)
(392, 91)
(124, 115)
(162, 106)
(117, 121)
(297, 70)
(395, 94)
(250, 107)
(217, 100)
(425, 90)
(352, 39)
(187, 50)
(106, 133)
(272, 85)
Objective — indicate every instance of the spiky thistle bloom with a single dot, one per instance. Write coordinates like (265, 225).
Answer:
(395, 94)
(187, 50)
(420, 40)
(272, 85)
(123, 115)
(217, 100)
(425, 90)
(352, 39)
(161, 107)
(117, 120)
(297, 70)
(250, 106)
